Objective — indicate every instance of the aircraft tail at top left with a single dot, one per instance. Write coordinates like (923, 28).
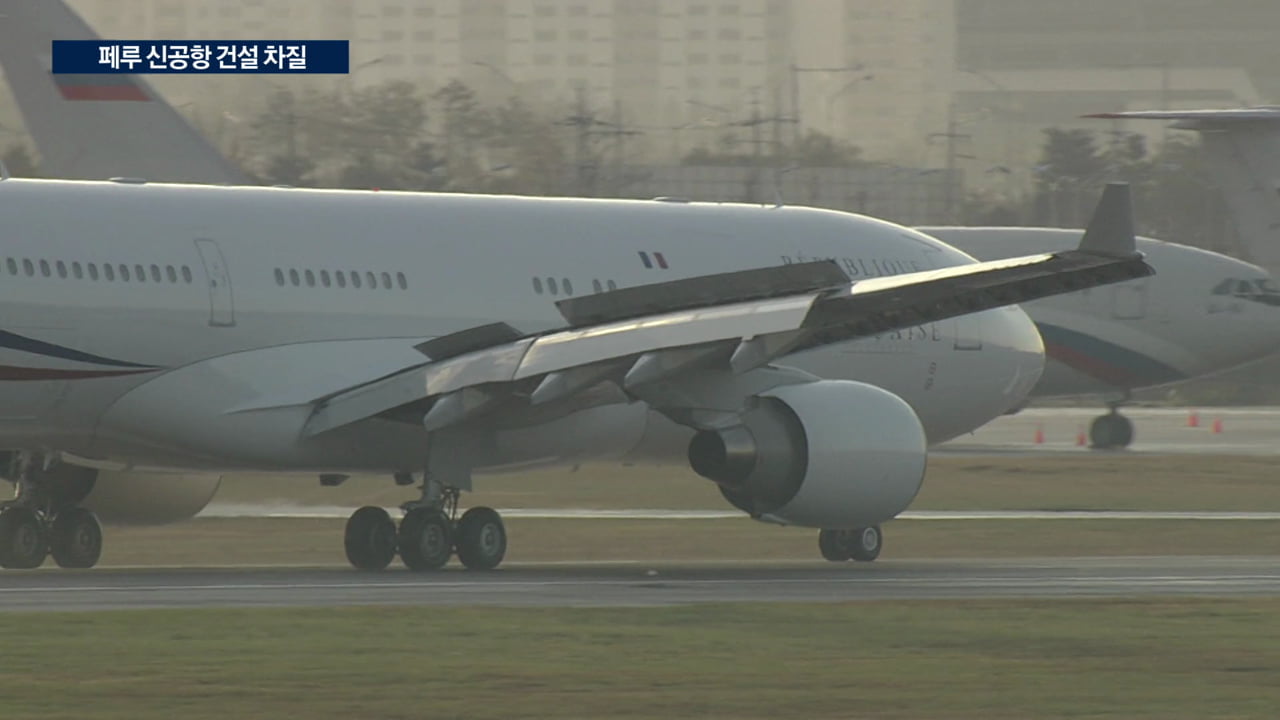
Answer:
(94, 127)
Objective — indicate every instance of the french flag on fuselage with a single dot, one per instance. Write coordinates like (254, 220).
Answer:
(99, 87)
(657, 259)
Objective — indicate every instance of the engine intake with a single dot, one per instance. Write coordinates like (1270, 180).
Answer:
(830, 454)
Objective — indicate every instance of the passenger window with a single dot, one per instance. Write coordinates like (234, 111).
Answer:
(109, 272)
(551, 285)
(124, 273)
(324, 278)
(140, 273)
(341, 277)
(386, 280)
(155, 273)
(77, 270)
(355, 278)
(402, 281)
(537, 285)
(568, 287)
(279, 277)
(93, 271)
(13, 266)
(311, 278)
(28, 268)
(372, 279)
(613, 285)
(62, 269)
(595, 285)
(44, 268)
(186, 274)
(173, 275)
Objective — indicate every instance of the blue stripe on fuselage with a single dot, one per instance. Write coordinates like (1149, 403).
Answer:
(1106, 361)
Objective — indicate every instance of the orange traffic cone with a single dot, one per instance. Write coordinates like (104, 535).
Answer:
(1193, 420)
(1038, 439)
(1217, 426)
(1081, 438)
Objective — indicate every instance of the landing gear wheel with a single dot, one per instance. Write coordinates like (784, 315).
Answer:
(370, 538)
(833, 546)
(1110, 431)
(75, 539)
(481, 539)
(425, 539)
(864, 544)
(24, 539)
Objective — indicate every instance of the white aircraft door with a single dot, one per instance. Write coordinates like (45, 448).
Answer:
(222, 312)
(1129, 300)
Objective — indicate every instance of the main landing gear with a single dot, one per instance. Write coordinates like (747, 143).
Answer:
(429, 534)
(861, 544)
(43, 519)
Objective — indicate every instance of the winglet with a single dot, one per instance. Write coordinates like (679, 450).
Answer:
(1110, 231)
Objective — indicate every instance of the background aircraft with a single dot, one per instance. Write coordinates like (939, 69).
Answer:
(1202, 313)
(1242, 147)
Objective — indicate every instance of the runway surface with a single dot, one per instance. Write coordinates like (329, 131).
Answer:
(296, 511)
(1157, 431)
(640, 585)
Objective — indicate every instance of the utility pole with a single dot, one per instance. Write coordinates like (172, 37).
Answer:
(584, 122)
(951, 136)
(755, 121)
(795, 89)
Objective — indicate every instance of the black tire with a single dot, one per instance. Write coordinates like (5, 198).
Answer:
(425, 539)
(832, 545)
(864, 544)
(481, 539)
(1110, 431)
(24, 539)
(75, 539)
(370, 538)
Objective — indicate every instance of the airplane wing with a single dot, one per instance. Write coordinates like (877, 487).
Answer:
(1198, 119)
(94, 127)
(738, 321)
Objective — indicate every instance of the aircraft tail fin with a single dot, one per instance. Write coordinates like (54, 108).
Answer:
(1242, 148)
(93, 127)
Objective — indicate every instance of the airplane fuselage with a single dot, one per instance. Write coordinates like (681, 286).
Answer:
(140, 319)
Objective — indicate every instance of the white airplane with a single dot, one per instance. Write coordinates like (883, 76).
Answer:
(1242, 149)
(1201, 314)
(1109, 343)
(202, 329)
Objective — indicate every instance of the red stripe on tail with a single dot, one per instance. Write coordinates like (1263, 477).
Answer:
(103, 92)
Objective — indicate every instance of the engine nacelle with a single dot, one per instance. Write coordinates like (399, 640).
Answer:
(130, 498)
(828, 454)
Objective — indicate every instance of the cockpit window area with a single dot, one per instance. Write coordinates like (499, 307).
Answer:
(1261, 290)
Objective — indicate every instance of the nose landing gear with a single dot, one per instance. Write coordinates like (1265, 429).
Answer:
(1112, 431)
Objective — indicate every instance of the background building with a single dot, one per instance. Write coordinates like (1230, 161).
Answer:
(968, 84)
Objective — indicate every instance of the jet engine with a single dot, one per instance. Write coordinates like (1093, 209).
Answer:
(826, 454)
(129, 498)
